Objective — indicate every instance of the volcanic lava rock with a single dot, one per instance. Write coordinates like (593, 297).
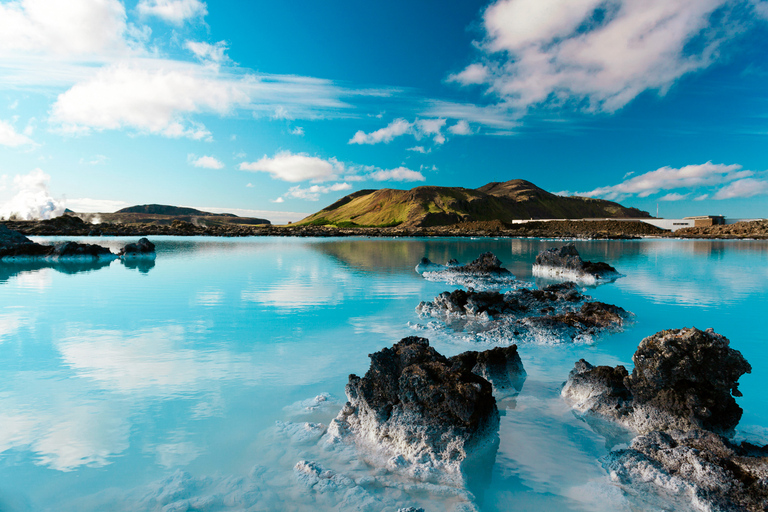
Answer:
(141, 249)
(418, 409)
(554, 313)
(14, 245)
(680, 399)
(76, 250)
(696, 465)
(683, 378)
(565, 262)
(501, 366)
(483, 273)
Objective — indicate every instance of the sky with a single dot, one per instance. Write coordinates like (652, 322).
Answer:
(278, 109)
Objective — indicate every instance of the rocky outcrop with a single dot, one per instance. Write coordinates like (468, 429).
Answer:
(683, 378)
(680, 399)
(141, 249)
(555, 313)
(698, 466)
(486, 272)
(421, 412)
(15, 246)
(565, 263)
(501, 366)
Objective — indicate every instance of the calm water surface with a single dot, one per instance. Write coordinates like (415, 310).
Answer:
(175, 385)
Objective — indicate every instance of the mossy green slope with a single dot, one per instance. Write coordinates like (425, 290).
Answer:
(439, 206)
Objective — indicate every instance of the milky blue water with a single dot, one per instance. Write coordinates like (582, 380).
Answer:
(158, 386)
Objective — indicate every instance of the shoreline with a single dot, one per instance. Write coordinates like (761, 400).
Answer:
(573, 229)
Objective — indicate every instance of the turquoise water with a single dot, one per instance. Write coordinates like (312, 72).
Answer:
(158, 386)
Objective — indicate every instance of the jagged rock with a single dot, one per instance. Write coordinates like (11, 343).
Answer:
(683, 378)
(696, 465)
(565, 263)
(485, 272)
(501, 366)
(14, 245)
(555, 313)
(418, 409)
(679, 397)
(77, 250)
(141, 249)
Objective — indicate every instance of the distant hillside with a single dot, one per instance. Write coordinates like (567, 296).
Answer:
(440, 206)
(164, 209)
(161, 214)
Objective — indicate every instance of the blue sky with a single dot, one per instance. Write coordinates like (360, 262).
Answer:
(278, 109)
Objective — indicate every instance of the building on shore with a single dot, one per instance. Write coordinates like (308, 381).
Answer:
(668, 224)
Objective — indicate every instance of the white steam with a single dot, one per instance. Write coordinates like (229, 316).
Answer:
(32, 200)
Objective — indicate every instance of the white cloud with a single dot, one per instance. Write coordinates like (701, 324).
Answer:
(71, 28)
(674, 196)
(313, 193)
(748, 187)
(701, 197)
(32, 199)
(601, 53)
(279, 200)
(460, 128)
(398, 174)
(420, 149)
(173, 11)
(147, 99)
(94, 160)
(208, 52)
(206, 162)
(249, 185)
(11, 138)
(494, 116)
(298, 131)
(668, 178)
(89, 205)
(394, 129)
(295, 167)
(419, 128)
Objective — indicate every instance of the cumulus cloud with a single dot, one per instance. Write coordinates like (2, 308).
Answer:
(748, 187)
(298, 131)
(313, 193)
(460, 128)
(668, 178)
(208, 52)
(598, 54)
(147, 99)
(32, 199)
(296, 167)
(419, 128)
(11, 138)
(394, 129)
(173, 11)
(398, 174)
(71, 28)
(206, 162)
(724, 182)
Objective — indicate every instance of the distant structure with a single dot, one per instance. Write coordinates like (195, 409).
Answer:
(669, 224)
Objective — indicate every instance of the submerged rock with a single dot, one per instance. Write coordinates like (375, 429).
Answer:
(683, 378)
(419, 410)
(77, 250)
(141, 249)
(555, 313)
(485, 272)
(501, 366)
(566, 263)
(679, 397)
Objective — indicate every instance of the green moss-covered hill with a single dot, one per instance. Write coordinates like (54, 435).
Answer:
(440, 206)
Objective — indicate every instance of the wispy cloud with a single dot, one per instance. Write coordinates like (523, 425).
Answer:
(173, 11)
(296, 167)
(594, 55)
(726, 181)
(313, 193)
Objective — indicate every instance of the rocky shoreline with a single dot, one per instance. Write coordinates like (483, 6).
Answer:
(597, 230)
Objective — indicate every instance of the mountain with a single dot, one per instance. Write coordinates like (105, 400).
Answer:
(164, 209)
(439, 206)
